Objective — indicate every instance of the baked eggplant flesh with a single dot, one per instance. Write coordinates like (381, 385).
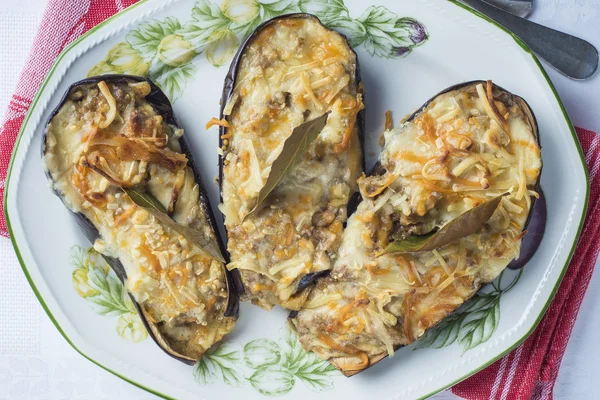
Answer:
(443, 214)
(284, 232)
(112, 141)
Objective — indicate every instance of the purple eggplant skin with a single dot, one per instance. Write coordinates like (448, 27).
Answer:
(538, 211)
(228, 88)
(537, 215)
(161, 104)
(535, 232)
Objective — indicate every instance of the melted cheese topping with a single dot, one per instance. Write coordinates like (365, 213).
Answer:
(450, 158)
(181, 290)
(293, 71)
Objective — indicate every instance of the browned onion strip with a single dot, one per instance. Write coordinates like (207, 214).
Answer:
(490, 108)
(389, 124)
(131, 149)
(357, 367)
(107, 176)
(332, 344)
(177, 185)
(90, 137)
(112, 104)
(490, 97)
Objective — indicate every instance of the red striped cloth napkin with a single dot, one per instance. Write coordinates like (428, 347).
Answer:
(527, 372)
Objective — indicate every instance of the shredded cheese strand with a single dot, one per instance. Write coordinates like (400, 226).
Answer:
(112, 104)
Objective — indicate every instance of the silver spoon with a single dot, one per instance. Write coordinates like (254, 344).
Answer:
(571, 56)
(520, 8)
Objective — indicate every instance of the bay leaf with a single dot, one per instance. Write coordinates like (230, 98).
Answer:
(145, 200)
(148, 202)
(293, 150)
(464, 225)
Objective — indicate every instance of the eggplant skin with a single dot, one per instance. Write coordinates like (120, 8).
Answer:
(162, 106)
(307, 281)
(230, 80)
(507, 97)
(345, 358)
(536, 227)
(504, 96)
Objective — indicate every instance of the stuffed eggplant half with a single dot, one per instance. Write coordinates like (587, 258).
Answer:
(115, 155)
(443, 214)
(291, 131)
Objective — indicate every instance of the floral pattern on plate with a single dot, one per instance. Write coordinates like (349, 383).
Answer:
(472, 324)
(95, 282)
(272, 363)
(271, 367)
(166, 50)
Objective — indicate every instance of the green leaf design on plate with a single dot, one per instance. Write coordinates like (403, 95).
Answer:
(296, 359)
(386, 32)
(208, 19)
(172, 80)
(219, 364)
(480, 301)
(294, 354)
(312, 371)
(317, 376)
(166, 50)
(147, 38)
(472, 324)
(293, 151)
(355, 31)
(261, 352)
(272, 368)
(272, 380)
(112, 298)
(271, 9)
(203, 239)
(328, 10)
(94, 281)
(466, 224)
(481, 327)
(164, 46)
(77, 257)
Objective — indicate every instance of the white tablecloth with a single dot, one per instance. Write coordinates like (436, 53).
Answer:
(37, 363)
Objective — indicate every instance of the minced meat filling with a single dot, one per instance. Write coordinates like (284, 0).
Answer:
(279, 86)
(451, 157)
(95, 148)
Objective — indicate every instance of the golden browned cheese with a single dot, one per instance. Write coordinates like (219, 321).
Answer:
(457, 153)
(292, 71)
(105, 137)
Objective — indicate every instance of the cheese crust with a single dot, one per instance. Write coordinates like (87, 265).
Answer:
(293, 70)
(455, 154)
(107, 136)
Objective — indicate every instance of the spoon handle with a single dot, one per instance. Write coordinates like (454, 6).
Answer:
(521, 8)
(572, 56)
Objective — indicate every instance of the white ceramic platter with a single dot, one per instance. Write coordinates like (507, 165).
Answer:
(404, 61)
